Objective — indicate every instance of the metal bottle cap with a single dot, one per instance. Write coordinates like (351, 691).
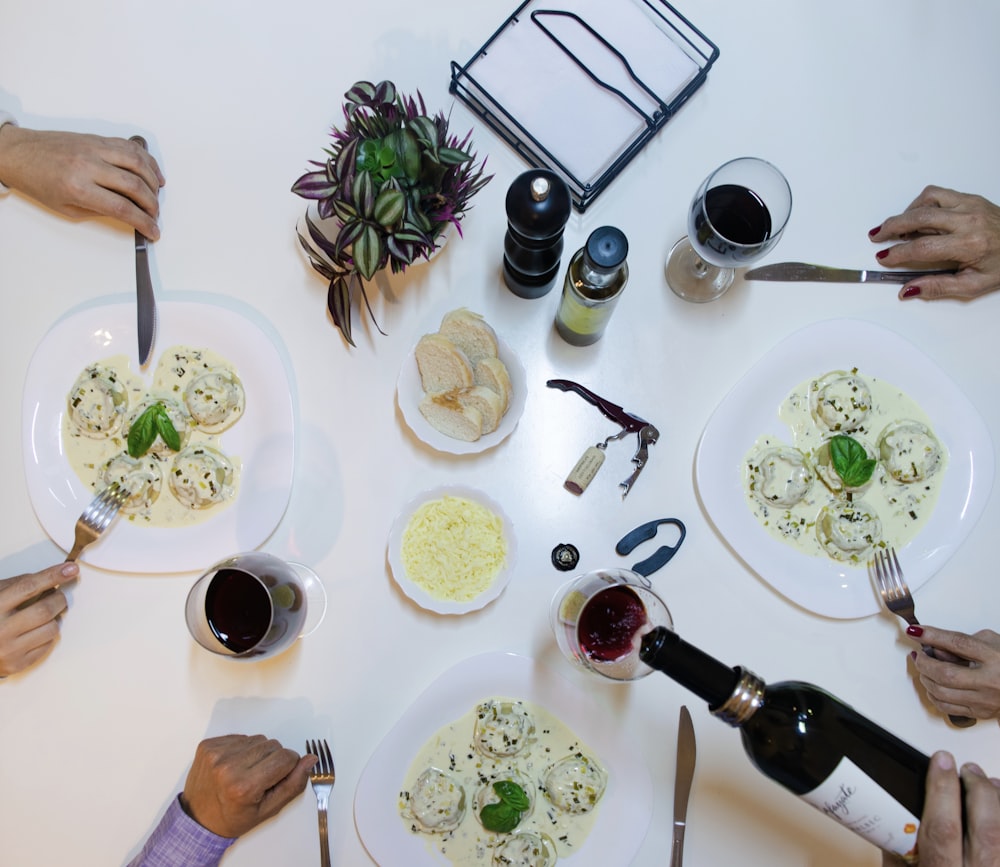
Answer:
(607, 247)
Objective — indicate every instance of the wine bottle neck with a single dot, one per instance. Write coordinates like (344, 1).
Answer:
(733, 695)
(745, 700)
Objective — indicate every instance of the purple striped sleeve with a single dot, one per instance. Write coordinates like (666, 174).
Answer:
(179, 841)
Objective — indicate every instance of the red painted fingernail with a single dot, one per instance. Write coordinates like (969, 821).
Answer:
(881, 254)
(911, 292)
(915, 631)
(873, 232)
(913, 654)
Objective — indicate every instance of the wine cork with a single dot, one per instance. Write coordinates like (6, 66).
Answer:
(583, 473)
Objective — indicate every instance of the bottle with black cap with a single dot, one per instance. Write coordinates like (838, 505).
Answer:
(596, 276)
(538, 208)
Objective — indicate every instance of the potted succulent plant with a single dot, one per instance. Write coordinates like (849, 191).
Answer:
(394, 179)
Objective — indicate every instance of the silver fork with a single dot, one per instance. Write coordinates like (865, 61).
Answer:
(97, 517)
(322, 777)
(888, 577)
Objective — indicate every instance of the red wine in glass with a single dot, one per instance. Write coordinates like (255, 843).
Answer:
(734, 223)
(736, 216)
(609, 623)
(238, 608)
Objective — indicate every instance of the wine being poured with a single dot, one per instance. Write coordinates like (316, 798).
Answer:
(599, 618)
(737, 215)
(810, 742)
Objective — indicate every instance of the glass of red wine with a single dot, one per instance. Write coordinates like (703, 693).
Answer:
(599, 620)
(737, 215)
(254, 605)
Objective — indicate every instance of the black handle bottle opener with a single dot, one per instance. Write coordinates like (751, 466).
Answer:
(586, 468)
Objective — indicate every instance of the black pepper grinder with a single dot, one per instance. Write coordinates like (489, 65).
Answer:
(538, 208)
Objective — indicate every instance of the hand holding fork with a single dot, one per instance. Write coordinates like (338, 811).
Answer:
(888, 577)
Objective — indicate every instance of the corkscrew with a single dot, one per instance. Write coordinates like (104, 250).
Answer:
(586, 468)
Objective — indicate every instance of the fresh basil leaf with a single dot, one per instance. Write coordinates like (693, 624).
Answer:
(501, 817)
(142, 434)
(851, 461)
(165, 428)
(512, 795)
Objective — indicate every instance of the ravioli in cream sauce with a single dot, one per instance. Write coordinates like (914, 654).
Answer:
(202, 395)
(796, 495)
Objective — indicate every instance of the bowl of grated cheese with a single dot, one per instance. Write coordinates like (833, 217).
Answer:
(452, 549)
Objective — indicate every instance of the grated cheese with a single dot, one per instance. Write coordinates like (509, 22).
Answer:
(453, 548)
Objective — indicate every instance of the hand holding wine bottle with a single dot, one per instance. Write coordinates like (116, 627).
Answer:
(941, 842)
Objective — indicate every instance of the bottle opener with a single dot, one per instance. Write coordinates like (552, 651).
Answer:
(644, 533)
(586, 468)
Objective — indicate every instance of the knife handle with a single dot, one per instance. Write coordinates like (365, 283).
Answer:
(140, 239)
(631, 423)
(677, 849)
(902, 276)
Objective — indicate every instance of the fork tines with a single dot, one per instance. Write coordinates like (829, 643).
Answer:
(322, 750)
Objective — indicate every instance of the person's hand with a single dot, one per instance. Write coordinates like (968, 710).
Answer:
(943, 229)
(82, 175)
(940, 840)
(238, 781)
(30, 606)
(972, 690)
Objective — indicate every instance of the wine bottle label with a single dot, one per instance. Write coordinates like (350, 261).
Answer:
(583, 473)
(852, 798)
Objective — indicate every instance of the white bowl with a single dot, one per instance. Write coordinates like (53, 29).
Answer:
(410, 392)
(415, 591)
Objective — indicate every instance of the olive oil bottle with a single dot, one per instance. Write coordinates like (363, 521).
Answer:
(596, 276)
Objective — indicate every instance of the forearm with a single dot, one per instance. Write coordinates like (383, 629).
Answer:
(179, 841)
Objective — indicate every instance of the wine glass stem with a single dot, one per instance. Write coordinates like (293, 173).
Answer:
(700, 267)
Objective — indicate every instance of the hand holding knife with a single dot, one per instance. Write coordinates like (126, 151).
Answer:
(145, 300)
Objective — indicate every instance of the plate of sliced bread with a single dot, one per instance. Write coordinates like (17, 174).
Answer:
(462, 389)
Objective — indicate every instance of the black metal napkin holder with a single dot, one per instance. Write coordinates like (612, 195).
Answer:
(574, 56)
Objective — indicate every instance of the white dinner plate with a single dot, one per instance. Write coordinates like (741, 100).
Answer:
(751, 409)
(263, 440)
(410, 391)
(415, 591)
(626, 808)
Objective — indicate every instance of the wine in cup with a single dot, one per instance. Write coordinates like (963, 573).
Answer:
(599, 620)
(737, 215)
(254, 605)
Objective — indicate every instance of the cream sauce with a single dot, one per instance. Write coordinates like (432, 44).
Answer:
(901, 509)
(452, 749)
(176, 367)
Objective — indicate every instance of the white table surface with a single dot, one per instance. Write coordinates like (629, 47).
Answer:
(860, 104)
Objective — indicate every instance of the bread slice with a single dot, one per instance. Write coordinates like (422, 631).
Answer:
(442, 365)
(492, 373)
(470, 333)
(446, 414)
(486, 401)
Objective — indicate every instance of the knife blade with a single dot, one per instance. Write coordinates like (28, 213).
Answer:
(145, 300)
(686, 755)
(796, 272)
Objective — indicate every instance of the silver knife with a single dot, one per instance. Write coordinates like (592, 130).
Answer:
(686, 754)
(145, 301)
(803, 272)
